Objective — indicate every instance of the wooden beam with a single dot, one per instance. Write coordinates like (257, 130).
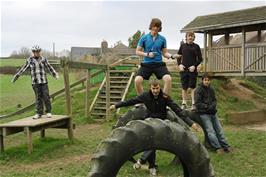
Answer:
(1, 141)
(226, 38)
(70, 129)
(259, 39)
(243, 52)
(209, 51)
(85, 65)
(205, 51)
(29, 139)
(107, 92)
(43, 133)
(87, 105)
(67, 89)
(97, 94)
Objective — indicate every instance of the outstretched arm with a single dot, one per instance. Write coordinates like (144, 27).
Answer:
(22, 70)
(178, 111)
(51, 69)
(130, 102)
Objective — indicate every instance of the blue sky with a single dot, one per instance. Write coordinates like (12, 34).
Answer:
(87, 23)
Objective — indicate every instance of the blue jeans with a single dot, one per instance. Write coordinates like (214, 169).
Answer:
(214, 130)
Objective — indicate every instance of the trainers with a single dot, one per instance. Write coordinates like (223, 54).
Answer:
(137, 165)
(49, 115)
(228, 149)
(193, 107)
(220, 151)
(183, 106)
(153, 171)
(37, 116)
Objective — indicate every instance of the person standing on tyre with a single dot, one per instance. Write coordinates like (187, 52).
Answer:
(205, 102)
(156, 102)
(188, 61)
(152, 47)
(37, 65)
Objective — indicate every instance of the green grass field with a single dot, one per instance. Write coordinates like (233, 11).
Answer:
(12, 62)
(21, 92)
(56, 156)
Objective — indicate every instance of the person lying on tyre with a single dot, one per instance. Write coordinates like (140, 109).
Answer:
(156, 102)
(205, 102)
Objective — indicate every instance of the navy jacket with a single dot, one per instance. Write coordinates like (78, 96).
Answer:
(205, 100)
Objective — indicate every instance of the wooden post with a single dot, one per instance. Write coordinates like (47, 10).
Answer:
(70, 129)
(259, 36)
(107, 91)
(87, 105)
(226, 38)
(210, 51)
(205, 51)
(1, 141)
(43, 133)
(243, 52)
(68, 100)
(67, 89)
(29, 139)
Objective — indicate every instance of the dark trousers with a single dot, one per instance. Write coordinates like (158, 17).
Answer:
(42, 96)
(149, 156)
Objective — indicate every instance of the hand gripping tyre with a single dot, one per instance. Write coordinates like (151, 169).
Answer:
(151, 133)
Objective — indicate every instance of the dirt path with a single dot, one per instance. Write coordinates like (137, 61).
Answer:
(237, 90)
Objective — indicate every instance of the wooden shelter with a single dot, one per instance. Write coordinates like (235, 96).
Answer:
(244, 59)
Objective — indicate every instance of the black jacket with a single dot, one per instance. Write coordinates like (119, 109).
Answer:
(191, 55)
(205, 100)
(156, 107)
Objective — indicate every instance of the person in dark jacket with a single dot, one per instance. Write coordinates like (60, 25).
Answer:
(189, 62)
(205, 102)
(156, 102)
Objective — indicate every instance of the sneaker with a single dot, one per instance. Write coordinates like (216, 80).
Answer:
(183, 106)
(37, 116)
(193, 107)
(228, 149)
(137, 165)
(49, 115)
(153, 171)
(220, 151)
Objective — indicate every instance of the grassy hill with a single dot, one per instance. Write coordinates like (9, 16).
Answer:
(55, 155)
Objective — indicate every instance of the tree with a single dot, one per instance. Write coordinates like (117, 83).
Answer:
(133, 41)
(24, 52)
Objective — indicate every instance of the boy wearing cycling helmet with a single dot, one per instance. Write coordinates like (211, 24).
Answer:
(38, 66)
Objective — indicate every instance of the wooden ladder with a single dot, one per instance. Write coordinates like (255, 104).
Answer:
(120, 81)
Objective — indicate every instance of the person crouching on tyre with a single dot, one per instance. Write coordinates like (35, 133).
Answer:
(156, 102)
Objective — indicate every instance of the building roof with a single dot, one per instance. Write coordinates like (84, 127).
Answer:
(244, 17)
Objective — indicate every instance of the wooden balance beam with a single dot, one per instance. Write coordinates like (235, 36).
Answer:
(29, 126)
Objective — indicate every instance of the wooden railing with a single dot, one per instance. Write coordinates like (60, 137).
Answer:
(53, 95)
(228, 59)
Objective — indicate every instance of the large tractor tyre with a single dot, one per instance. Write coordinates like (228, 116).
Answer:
(136, 113)
(139, 113)
(151, 133)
